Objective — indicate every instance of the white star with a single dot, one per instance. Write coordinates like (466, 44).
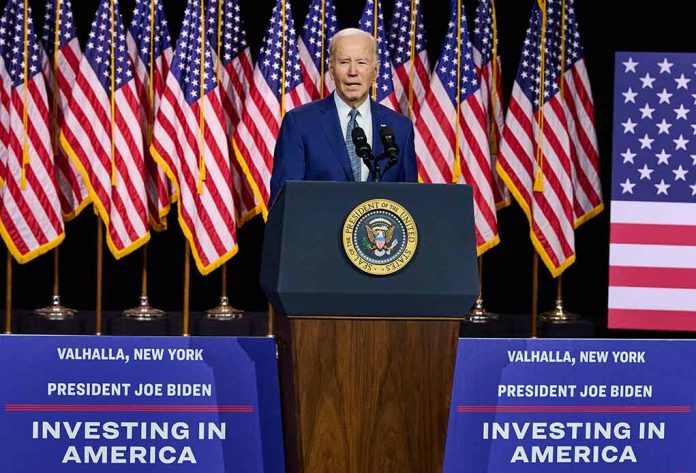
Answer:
(682, 82)
(646, 142)
(663, 127)
(629, 96)
(662, 187)
(645, 172)
(647, 81)
(693, 189)
(629, 126)
(680, 173)
(628, 156)
(680, 143)
(630, 65)
(665, 66)
(664, 96)
(627, 187)
(681, 112)
(646, 111)
(693, 156)
(663, 157)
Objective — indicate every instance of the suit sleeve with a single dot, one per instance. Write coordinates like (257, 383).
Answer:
(409, 170)
(288, 157)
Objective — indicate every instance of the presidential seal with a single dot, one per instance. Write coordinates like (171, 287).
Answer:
(379, 237)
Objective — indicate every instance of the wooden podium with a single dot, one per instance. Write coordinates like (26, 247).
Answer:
(366, 361)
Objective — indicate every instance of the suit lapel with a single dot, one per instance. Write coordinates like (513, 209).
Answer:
(331, 126)
(377, 122)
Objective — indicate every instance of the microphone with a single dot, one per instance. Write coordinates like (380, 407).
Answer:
(362, 148)
(386, 134)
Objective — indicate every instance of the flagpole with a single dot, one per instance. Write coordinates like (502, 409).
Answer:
(100, 244)
(457, 158)
(538, 185)
(54, 104)
(374, 35)
(535, 290)
(8, 294)
(187, 289)
(411, 70)
(201, 106)
(323, 41)
(493, 129)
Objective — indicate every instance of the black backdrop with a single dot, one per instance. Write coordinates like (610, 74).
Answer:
(663, 26)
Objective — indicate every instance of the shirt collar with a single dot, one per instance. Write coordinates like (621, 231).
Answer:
(344, 109)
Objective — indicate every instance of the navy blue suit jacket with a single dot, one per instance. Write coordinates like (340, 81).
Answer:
(311, 145)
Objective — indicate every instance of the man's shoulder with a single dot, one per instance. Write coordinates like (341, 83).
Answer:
(390, 116)
(311, 108)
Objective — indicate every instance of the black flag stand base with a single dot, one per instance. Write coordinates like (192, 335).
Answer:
(224, 311)
(56, 311)
(558, 315)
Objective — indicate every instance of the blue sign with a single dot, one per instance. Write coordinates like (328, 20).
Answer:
(139, 404)
(572, 406)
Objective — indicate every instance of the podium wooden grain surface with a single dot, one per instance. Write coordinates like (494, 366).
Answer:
(366, 396)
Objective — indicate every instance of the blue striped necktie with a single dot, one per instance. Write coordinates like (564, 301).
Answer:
(355, 162)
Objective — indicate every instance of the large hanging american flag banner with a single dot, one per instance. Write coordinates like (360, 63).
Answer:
(535, 152)
(372, 21)
(63, 52)
(273, 92)
(487, 63)
(102, 133)
(30, 214)
(451, 134)
(409, 56)
(190, 144)
(313, 47)
(587, 188)
(234, 70)
(652, 251)
(150, 50)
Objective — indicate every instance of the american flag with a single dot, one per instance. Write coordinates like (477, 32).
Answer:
(320, 26)
(535, 151)
(256, 135)
(190, 143)
(63, 52)
(234, 68)
(441, 129)
(103, 136)
(409, 56)
(30, 220)
(485, 49)
(372, 21)
(652, 251)
(587, 188)
(150, 50)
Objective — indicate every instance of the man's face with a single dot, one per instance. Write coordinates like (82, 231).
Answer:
(353, 68)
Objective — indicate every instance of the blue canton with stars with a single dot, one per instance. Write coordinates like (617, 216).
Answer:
(98, 50)
(67, 26)
(270, 55)
(233, 35)
(186, 64)
(483, 30)
(385, 84)
(654, 149)
(446, 67)
(529, 72)
(311, 31)
(573, 47)
(13, 50)
(140, 30)
(400, 32)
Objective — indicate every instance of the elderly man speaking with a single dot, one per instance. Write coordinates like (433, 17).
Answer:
(315, 139)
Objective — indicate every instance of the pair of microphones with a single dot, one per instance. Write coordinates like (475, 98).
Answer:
(364, 150)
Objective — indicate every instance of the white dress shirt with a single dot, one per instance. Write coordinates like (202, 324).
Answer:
(363, 120)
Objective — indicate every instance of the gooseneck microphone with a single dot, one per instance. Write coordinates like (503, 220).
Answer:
(362, 148)
(386, 134)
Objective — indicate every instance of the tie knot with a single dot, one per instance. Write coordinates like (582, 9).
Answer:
(353, 113)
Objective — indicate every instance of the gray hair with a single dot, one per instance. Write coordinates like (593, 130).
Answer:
(351, 32)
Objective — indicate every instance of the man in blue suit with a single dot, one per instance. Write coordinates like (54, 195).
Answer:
(315, 139)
